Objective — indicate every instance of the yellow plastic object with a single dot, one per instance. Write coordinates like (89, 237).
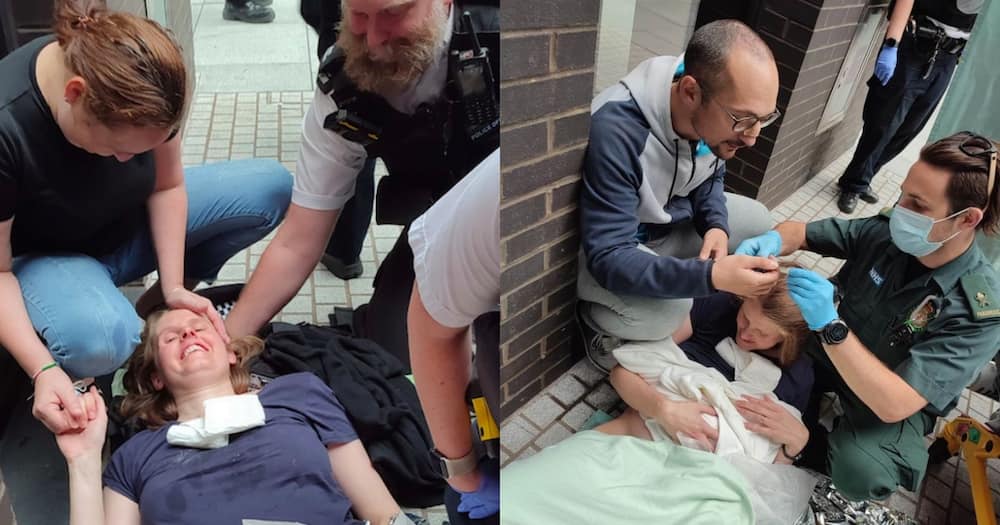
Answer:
(976, 443)
(484, 420)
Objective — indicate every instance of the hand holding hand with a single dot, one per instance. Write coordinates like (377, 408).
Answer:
(715, 244)
(181, 297)
(89, 440)
(764, 245)
(813, 294)
(57, 404)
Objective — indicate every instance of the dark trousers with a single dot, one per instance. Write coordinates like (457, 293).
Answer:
(895, 113)
(352, 223)
(383, 319)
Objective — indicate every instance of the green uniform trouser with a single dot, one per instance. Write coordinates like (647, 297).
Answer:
(869, 458)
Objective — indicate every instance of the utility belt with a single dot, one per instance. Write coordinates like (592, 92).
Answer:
(930, 40)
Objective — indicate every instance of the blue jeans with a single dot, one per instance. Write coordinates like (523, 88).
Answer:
(91, 328)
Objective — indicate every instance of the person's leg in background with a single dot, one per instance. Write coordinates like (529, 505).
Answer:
(252, 11)
(884, 112)
(383, 319)
(343, 252)
(91, 329)
(931, 90)
(231, 205)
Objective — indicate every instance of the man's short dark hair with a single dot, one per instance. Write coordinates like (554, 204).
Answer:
(968, 185)
(711, 44)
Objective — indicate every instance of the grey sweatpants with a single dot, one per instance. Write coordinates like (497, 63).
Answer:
(638, 318)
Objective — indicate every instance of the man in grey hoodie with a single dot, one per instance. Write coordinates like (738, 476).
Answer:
(656, 223)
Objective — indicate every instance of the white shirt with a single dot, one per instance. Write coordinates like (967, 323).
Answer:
(329, 164)
(456, 248)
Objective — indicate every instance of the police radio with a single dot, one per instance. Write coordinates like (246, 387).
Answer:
(474, 79)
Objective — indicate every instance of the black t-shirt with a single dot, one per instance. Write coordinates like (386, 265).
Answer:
(62, 198)
(713, 318)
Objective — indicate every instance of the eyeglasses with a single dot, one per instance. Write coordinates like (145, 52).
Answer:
(982, 147)
(741, 124)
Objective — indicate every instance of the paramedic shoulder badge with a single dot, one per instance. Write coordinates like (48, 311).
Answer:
(924, 313)
(981, 296)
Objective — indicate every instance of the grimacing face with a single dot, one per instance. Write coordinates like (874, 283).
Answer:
(189, 351)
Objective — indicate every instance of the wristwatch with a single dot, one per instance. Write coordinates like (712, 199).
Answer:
(891, 42)
(449, 468)
(834, 333)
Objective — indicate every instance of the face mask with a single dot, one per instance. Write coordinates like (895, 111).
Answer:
(909, 231)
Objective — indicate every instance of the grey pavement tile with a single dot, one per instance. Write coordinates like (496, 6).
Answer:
(542, 411)
(567, 390)
(937, 491)
(554, 434)
(931, 513)
(907, 506)
(578, 415)
(236, 77)
(586, 372)
(516, 433)
(603, 397)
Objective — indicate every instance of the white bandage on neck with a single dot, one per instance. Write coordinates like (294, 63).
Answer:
(223, 416)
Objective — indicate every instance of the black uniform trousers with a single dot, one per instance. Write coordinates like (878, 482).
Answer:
(895, 113)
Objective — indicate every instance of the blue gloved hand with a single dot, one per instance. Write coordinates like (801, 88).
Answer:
(813, 294)
(485, 501)
(886, 64)
(761, 246)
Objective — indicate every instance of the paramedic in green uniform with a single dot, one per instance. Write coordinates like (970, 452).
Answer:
(919, 314)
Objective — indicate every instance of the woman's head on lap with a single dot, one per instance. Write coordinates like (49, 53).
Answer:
(772, 322)
(180, 351)
(125, 83)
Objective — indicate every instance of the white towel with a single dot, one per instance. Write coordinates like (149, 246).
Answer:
(665, 366)
(223, 416)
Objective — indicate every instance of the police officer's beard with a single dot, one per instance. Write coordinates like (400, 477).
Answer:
(400, 63)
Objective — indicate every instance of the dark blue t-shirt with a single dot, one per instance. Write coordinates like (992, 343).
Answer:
(278, 472)
(713, 318)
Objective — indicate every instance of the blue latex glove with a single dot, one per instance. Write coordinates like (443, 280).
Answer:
(485, 501)
(761, 246)
(813, 294)
(886, 64)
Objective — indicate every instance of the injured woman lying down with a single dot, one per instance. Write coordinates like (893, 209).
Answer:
(709, 411)
(285, 455)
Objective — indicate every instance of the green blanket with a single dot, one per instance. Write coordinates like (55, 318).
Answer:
(594, 478)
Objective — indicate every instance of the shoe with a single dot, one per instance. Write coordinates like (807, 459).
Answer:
(848, 201)
(597, 344)
(249, 12)
(265, 3)
(868, 196)
(344, 271)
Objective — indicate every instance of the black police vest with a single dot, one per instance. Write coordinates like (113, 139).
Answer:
(947, 12)
(427, 152)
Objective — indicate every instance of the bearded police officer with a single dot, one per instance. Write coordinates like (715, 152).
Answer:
(412, 83)
(922, 45)
(919, 314)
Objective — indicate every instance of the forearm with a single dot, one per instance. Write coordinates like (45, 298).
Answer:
(441, 371)
(898, 18)
(168, 225)
(86, 501)
(17, 334)
(793, 236)
(278, 276)
(369, 497)
(637, 393)
(890, 397)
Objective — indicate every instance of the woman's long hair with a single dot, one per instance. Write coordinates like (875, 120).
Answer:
(777, 305)
(156, 407)
(134, 69)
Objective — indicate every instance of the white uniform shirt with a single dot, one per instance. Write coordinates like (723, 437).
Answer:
(456, 248)
(329, 164)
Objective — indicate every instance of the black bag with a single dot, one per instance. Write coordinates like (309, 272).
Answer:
(380, 401)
